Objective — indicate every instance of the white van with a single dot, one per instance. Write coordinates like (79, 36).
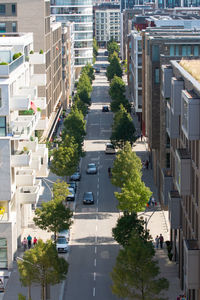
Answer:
(110, 149)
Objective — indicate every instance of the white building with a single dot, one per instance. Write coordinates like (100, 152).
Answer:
(107, 24)
(79, 12)
(22, 159)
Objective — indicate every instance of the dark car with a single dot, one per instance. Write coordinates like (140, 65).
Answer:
(105, 108)
(75, 177)
(97, 70)
(106, 53)
(88, 198)
(91, 169)
(73, 185)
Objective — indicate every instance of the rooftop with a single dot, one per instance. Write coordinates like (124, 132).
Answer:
(192, 67)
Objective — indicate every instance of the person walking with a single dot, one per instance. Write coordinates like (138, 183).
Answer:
(24, 243)
(29, 239)
(157, 241)
(153, 201)
(147, 164)
(34, 241)
(161, 239)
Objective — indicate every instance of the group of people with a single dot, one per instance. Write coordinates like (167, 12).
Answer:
(27, 242)
(159, 240)
(152, 202)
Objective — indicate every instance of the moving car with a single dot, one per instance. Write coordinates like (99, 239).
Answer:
(71, 195)
(91, 169)
(62, 244)
(88, 198)
(106, 53)
(75, 177)
(65, 233)
(110, 149)
(97, 70)
(105, 108)
(73, 184)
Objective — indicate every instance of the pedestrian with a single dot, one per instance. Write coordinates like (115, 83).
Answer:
(34, 241)
(153, 201)
(141, 136)
(161, 239)
(157, 241)
(147, 164)
(24, 243)
(109, 172)
(29, 239)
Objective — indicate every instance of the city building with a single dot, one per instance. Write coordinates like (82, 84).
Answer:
(22, 158)
(180, 87)
(34, 16)
(106, 23)
(80, 13)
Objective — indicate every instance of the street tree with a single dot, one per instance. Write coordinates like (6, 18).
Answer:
(95, 49)
(75, 125)
(127, 166)
(112, 47)
(43, 265)
(117, 94)
(123, 129)
(54, 216)
(89, 70)
(66, 157)
(126, 225)
(114, 68)
(135, 274)
(84, 88)
(80, 105)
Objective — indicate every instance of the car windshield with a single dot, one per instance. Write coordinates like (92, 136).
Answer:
(61, 241)
(88, 196)
(91, 166)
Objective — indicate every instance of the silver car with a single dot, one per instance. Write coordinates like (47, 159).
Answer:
(91, 169)
(62, 244)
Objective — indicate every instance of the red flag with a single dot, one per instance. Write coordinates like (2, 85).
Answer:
(33, 107)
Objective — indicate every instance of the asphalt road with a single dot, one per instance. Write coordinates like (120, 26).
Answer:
(93, 250)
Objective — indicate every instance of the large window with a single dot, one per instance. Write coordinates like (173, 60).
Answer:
(3, 254)
(13, 9)
(2, 27)
(14, 27)
(2, 9)
(155, 53)
(2, 126)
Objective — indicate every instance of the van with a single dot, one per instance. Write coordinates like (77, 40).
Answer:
(110, 149)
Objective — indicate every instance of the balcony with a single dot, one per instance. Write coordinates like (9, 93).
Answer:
(42, 124)
(176, 90)
(36, 163)
(38, 79)
(21, 158)
(174, 207)
(172, 123)
(37, 58)
(190, 115)
(41, 102)
(27, 90)
(191, 264)
(32, 144)
(21, 102)
(167, 74)
(29, 194)
(167, 181)
(183, 171)
(5, 70)
(25, 178)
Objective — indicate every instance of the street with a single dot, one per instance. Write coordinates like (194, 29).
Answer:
(93, 250)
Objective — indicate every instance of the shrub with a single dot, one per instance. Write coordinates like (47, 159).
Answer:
(41, 51)
(31, 52)
(16, 55)
(3, 63)
(39, 109)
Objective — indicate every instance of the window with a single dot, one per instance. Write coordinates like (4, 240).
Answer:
(2, 9)
(13, 9)
(14, 27)
(196, 50)
(155, 53)
(157, 76)
(171, 50)
(2, 27)
(2, 126)
(177, 50)
(184, 50)
(3, 253)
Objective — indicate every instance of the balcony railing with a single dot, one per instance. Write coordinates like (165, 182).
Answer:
(21, 158)
(29, 194)
(7, 69)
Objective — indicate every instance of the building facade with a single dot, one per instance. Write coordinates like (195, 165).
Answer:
(22, 158)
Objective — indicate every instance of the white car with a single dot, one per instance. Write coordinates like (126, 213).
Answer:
(65, 233)
(62, 244)
(91, 169)
(71, 196)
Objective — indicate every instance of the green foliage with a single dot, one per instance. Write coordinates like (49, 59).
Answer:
(41, 51)
(112, 47)
(84, 88)
(42, 265)
(135, 273)
(117, 93)
(21, 297)
(89, 70)
(3, 63)
(54, 215)
(66, 157)
(95, 49)
(31, 52)
(26, 112)
(17, 55)
(75, 125)
(80, 105)
(126, 225)
(114, 68)
(123, 129)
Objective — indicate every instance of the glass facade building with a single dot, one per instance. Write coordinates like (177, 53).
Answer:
(80, 13)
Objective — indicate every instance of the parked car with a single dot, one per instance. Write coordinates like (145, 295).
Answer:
(75, 177)
(98, 70)
(73, 184)
(65, 233)
(91, 169)
(88, 198)
(62, 244)
(110, 149)
(106, 53)
(105, 108)
(71, 196)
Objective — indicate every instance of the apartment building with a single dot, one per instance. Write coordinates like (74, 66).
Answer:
(106, 23)
(34, 16)
(22, 158)
(183, 128)
(80, 13)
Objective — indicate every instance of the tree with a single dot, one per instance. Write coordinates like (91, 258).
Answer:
(117, 94)
(112, 47)
(135, 273)
(54, 215)
(66, 157)
(80, 105)
(74, 125)
(84, 88)
(42, 265)
(95, 49)
(126, 225)
(114, 68)
(123, 129)
(89, 70)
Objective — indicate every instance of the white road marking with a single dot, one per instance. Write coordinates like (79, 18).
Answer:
(97, 186)
(95, 249)
(98, 179)
(93, 292)
(94, 276)
(95, 262)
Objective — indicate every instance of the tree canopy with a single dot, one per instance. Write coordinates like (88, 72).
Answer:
(42, 265)
(114, 68)
(80, 105)
(89, 70)
(112, 47)
(95, 49)
(84, 88)
(135, 273)
(117, 94)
